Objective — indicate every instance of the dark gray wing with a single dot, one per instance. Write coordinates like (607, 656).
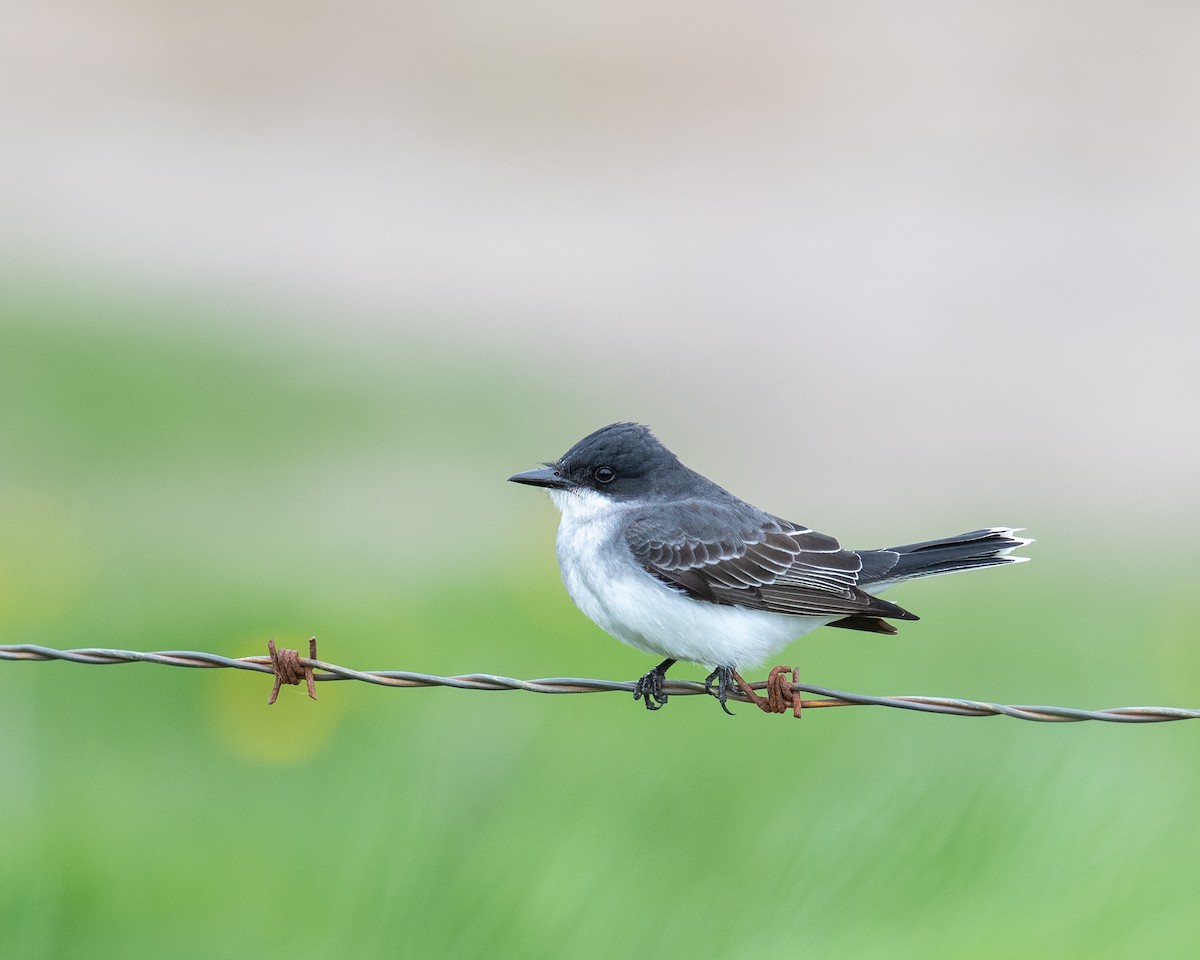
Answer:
(732, 554)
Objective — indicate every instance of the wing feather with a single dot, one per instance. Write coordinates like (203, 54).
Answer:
(724, 553)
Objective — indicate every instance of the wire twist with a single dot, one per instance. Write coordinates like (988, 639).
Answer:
(311, 669)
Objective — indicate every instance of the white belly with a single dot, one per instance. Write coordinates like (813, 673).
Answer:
(620, 597)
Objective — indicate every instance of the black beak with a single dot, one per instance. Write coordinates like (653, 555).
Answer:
(546, 476)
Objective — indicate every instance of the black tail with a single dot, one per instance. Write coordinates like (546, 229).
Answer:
(967, 551)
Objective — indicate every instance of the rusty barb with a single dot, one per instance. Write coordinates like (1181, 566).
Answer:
(290, 669)
(782, 694)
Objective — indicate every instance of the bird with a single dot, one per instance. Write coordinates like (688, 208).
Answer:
(676, 566)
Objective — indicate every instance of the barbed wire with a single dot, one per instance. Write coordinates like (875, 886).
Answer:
(288, 667)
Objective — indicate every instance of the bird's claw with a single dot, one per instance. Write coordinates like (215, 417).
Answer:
(649, 689)
(725, 682)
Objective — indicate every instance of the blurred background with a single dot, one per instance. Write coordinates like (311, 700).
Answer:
(288, 290)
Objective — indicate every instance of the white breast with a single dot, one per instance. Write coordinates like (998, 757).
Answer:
(619, 596)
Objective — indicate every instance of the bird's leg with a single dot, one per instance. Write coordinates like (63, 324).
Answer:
(725, 682)
(649, 688)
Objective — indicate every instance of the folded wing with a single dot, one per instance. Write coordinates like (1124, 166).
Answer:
(725, 555)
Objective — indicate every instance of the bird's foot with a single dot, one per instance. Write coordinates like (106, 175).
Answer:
(649, 689)
(724, 676)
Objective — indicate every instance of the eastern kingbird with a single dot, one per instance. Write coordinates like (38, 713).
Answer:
(672, 564)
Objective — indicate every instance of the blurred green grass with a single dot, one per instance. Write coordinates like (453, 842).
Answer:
(204, 486)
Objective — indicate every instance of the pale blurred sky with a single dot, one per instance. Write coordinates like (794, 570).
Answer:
(889, 242)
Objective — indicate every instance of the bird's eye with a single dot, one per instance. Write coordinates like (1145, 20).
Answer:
(604, 474)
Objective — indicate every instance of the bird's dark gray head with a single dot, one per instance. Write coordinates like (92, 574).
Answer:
(621, 460)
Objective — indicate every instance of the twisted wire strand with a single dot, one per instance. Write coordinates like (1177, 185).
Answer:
(323, 671)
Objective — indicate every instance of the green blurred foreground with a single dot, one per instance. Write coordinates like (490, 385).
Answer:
(180, 491)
